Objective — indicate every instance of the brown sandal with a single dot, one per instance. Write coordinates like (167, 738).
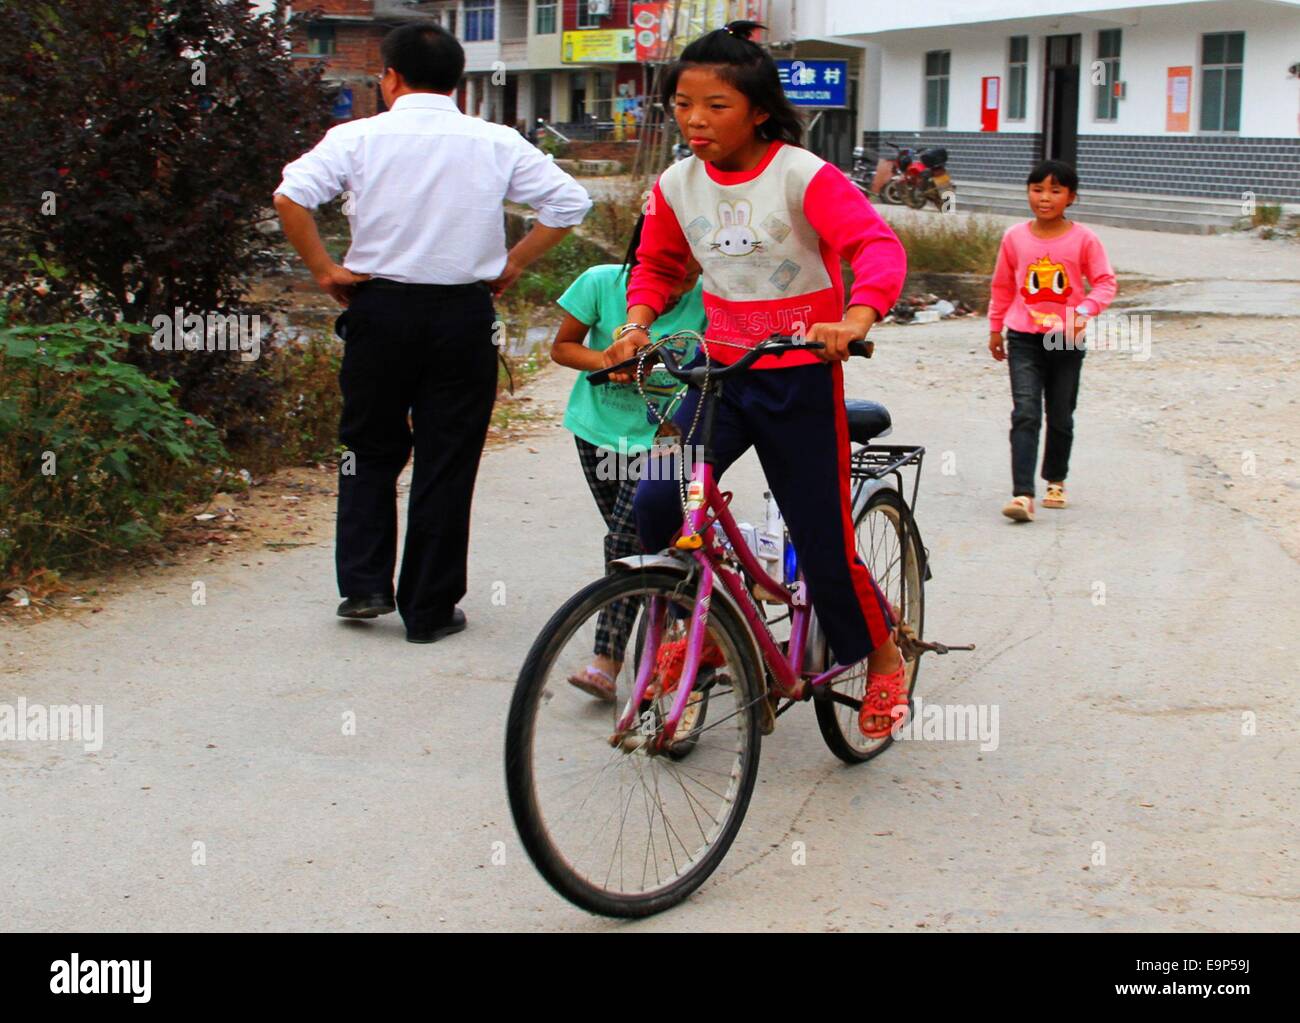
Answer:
(595, 682)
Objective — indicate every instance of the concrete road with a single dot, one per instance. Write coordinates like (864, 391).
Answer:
(1141, 648)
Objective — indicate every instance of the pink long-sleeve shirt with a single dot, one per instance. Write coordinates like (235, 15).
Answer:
(769, 242)
(1037, 279)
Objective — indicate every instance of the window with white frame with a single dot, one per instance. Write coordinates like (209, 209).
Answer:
(1017, 76)
(480, 20)
(544, 22)
(1221, 60)
(937, 64)
(1106, 107)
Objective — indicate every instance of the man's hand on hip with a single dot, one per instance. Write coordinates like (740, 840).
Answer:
(338, 282)
(508, 277)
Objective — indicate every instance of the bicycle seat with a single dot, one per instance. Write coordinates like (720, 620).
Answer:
(867, 420)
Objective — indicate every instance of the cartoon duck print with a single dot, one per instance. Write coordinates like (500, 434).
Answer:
(1046, 284)
(735, 237)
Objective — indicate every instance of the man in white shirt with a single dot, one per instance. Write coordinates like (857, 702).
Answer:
(423, 187)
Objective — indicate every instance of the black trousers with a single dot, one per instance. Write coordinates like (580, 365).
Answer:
(795, 420)
(419, 372)
(1041, 375)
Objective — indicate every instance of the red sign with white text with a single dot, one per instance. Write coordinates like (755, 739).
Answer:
(990, 89)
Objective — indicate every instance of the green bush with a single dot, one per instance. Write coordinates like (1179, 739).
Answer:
(1266, 215)
(93, 453)
(948, 244)
(546, 280)
(301, 421)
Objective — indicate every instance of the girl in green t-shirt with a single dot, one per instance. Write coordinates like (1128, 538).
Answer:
(612, 426)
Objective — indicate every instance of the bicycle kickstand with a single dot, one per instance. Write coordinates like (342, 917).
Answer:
(911, 647)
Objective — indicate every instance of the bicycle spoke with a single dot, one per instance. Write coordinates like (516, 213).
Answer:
(587, 777)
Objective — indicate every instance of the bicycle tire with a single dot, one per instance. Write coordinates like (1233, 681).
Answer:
(725, 625)
(831, 715)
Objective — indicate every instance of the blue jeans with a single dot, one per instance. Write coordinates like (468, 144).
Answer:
(1041, 375)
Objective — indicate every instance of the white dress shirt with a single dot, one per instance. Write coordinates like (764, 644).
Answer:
(427, 183)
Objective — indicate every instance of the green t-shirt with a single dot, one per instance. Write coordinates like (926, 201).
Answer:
(616, 413)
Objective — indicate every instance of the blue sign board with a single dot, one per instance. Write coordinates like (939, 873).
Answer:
(342, 108)
(815, 83)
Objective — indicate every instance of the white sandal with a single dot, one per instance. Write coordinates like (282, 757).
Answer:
(1019, 508)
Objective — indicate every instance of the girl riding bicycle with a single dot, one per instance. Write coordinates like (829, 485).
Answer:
(769, 222)
(611, 425)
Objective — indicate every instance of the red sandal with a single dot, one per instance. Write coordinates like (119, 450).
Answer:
(883, 694)
(671, 661)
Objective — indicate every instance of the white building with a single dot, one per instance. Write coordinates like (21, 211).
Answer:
(1200, 97)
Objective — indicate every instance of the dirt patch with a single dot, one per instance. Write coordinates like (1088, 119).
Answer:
(1222, 391)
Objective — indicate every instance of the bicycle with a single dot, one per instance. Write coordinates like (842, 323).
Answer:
(692, 747)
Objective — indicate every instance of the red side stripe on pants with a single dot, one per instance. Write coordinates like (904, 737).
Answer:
(875, 608)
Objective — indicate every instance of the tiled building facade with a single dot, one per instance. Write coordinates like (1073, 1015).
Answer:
(1197, 98)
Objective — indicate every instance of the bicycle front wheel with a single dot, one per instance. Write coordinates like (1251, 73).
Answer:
(618, 825)
(888, 545)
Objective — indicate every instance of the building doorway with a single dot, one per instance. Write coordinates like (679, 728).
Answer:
(1061, 99)
(510, 101)
(834, 132)
(578, 96)
(542, 95)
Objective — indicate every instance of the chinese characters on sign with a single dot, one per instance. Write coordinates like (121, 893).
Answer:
(1178, 98)
(815, 83)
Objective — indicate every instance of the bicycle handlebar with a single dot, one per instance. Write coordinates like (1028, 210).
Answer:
(777, 345)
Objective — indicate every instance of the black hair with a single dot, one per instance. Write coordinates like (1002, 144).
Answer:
(634, 243)
(746, 66)
(1066, 176)
(426, 56)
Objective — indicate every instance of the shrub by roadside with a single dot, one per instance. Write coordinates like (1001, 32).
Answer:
(93, 453)
(946, 244)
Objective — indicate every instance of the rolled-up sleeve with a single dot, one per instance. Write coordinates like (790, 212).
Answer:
(535, 180)
(318, 176)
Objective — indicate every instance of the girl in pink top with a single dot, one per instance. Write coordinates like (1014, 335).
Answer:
(769, 223)
(1038, 296)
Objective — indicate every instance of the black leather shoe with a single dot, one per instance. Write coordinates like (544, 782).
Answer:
(366, 607)
(456, 623)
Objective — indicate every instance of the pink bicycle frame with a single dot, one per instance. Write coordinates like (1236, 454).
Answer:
(705, 506)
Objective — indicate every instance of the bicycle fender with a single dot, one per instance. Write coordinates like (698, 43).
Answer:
(688, 569)
(869, 487)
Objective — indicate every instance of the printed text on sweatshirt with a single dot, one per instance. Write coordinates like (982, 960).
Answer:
(769, 242)
(1038, 279)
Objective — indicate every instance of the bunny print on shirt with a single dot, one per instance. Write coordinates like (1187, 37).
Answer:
(749, 238)
(735, 237)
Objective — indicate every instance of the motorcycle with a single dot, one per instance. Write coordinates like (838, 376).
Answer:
(908, 179)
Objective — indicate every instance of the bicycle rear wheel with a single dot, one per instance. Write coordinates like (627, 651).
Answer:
(625, 829)
(897, 564)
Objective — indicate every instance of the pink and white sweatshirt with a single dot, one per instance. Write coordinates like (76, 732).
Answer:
(1037, 279)
(769, 242)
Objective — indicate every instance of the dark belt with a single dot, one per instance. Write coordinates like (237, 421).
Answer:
(384, 284)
